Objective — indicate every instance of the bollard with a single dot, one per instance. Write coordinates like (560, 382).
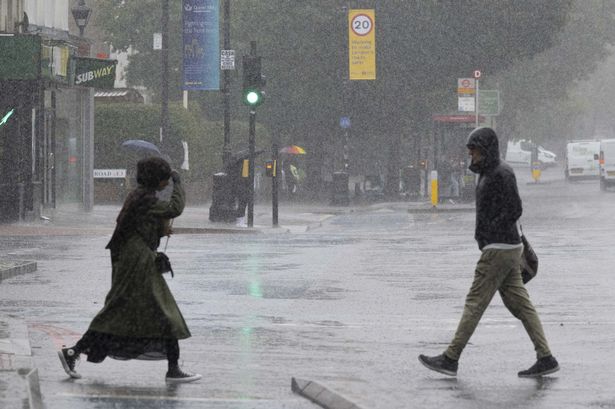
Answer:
(536, 171)
(434, 188)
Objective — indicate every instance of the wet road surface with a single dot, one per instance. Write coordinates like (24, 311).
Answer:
(349, 304)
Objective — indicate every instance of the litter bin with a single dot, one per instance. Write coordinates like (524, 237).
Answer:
(222, 202)
(411, 177)
(340, 194)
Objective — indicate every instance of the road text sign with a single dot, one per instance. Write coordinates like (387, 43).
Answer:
(227, 59)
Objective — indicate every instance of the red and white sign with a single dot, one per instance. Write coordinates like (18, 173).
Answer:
(477, 74)
(361, 24)
(466, 86)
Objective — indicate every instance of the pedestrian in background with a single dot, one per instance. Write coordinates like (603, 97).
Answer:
(498, 209)
(140, 318)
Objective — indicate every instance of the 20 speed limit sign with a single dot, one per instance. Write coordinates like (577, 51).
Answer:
(361, 24)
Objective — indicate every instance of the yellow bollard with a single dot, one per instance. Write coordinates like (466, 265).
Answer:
(434, 188)
(536, 172)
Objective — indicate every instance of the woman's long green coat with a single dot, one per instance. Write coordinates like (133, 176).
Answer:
(140, 304)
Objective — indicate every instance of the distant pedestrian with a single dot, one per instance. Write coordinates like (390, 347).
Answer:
(140, 318)
(453, 188)
(498, 208)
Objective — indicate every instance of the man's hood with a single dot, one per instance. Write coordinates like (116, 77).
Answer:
(486, 140)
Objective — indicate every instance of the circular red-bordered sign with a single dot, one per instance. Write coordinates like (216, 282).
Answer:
(361, 24)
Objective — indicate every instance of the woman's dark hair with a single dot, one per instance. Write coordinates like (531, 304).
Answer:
(152, 171)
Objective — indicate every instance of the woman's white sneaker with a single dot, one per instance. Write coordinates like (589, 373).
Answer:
(178, 376)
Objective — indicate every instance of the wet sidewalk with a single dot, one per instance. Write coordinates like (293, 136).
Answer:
(19, 384)
(70, 219)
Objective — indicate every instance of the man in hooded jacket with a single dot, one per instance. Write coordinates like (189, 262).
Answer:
(498, 209)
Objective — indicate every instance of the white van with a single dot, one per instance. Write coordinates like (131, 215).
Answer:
(607, 163)
(582, 160)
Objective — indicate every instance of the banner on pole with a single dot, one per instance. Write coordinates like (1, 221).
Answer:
(361, 44)
(201, 45)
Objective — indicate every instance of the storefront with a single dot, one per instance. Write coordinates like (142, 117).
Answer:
(46, 145)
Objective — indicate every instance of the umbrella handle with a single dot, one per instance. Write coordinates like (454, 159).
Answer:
(168, 236)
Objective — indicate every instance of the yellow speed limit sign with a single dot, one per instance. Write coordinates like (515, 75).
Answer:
(361, 44)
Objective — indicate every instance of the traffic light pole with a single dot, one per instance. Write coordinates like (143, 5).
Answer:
(274, 184)
(226, 148)
(252, 143)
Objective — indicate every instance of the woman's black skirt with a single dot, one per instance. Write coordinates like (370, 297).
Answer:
(98, 345)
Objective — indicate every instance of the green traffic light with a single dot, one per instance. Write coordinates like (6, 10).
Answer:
(253, 97)
(7, 116)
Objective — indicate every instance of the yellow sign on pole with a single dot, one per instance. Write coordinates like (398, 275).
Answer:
(361, 44)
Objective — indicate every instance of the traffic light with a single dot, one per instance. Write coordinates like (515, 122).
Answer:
(253, 81)
(270, 168)
(6, 117)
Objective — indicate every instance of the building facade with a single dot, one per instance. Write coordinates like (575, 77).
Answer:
(47, 82)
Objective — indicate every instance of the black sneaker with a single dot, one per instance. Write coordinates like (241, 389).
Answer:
(69, 358)
(543, 366)
(440, 363)
(176, 375)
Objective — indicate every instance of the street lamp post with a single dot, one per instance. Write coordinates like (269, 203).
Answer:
(81, 13)
(164, 80)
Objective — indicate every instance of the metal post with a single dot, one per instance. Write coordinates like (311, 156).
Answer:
(251, 144)
(274, 184)
(251, 141)
(87, 148)
(476, 103)
(346, 82)
(20, 193)
(226, 149)
(164, 80)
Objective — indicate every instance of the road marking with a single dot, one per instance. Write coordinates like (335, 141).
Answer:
(58, 335)
(172, 398)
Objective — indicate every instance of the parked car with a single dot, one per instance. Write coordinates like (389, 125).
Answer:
(582, 160)
(607, 163)
(520, 152)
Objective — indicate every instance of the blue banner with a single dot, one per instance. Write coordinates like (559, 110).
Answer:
(201, 23)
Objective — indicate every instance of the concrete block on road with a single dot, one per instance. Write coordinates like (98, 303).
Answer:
(321, 395)
(11, 268)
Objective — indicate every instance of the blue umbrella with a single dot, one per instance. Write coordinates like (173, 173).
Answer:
(141, 147)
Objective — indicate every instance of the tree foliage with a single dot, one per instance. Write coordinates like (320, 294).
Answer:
(118, 122)
(536, 91)
(423, 46)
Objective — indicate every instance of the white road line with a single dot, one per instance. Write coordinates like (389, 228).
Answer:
(170, 398)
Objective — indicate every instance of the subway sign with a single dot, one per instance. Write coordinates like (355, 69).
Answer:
(94, 72)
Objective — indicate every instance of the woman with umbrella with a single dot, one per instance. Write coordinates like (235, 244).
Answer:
(140, 318)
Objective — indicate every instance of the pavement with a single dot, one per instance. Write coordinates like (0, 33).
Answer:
(19, 384)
